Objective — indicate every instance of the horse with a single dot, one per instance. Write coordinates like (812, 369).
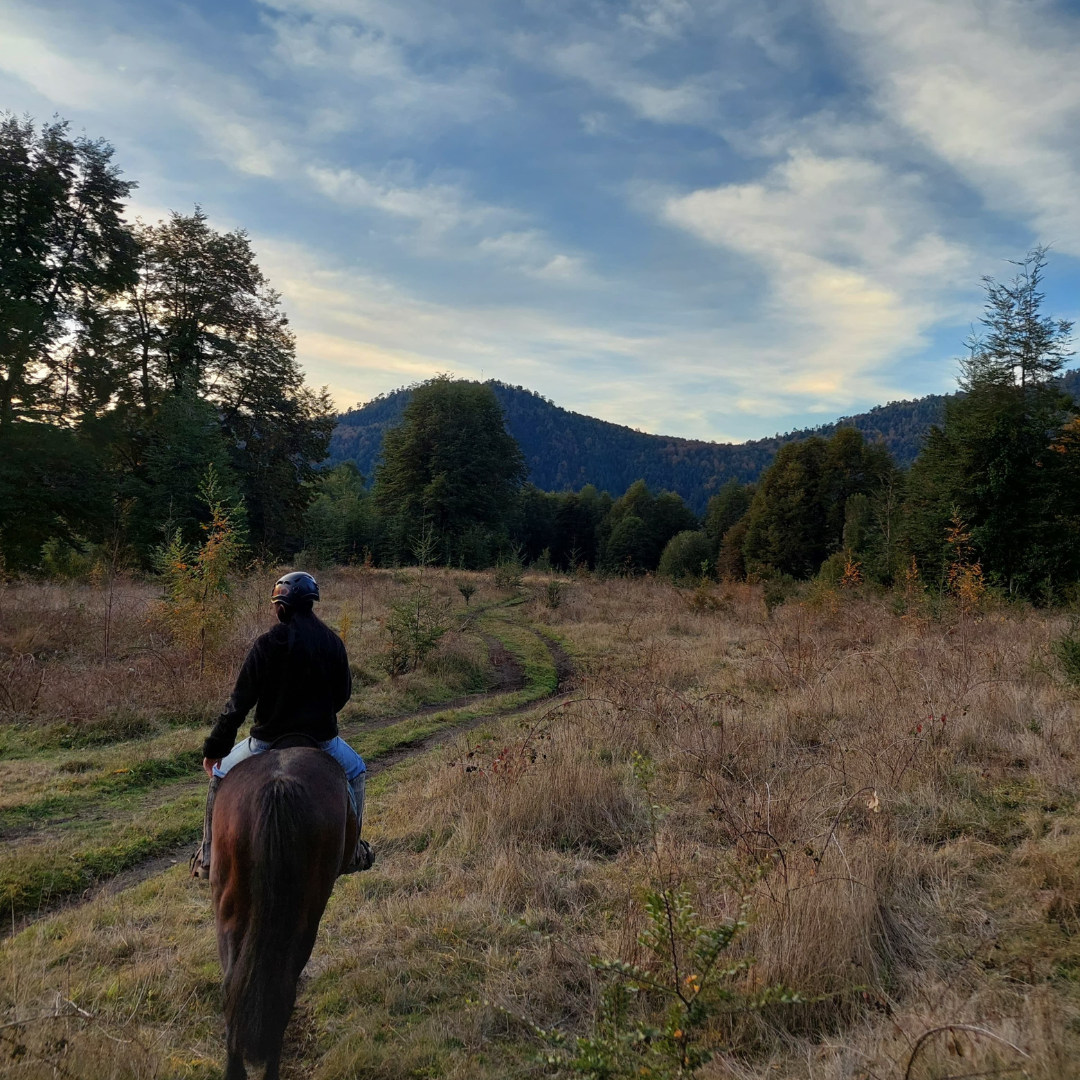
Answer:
(284, 828)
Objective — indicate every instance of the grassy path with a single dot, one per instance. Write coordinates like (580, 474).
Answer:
(108, 830)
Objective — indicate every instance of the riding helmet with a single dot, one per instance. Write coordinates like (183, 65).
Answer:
(295, 588)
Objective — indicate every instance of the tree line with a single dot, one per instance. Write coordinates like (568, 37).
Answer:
(135, 360)
(143, 365)
(995, 487)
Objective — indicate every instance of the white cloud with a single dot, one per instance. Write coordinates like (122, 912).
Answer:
(560, 268)
(856, 274)
(388, 60)
(121, 76)
(609, 70)
(361, 335)
(532, 253)
(993, 88)
(662, 18)
(436, 208)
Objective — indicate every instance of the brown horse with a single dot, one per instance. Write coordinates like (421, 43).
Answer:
(283, 830)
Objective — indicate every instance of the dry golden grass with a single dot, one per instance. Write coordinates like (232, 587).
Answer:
(897, 795)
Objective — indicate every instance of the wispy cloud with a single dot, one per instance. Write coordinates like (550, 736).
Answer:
(992, 88)
(705, 217)
(437, 208)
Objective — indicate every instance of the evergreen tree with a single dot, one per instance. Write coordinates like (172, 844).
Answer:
(640, 524)
(204, 324)
(64, 251)
(687, 555)
(339, 523)
(725, 508)
(999, 463)
(993, 465)
(52, 484)
(534, 528)
(174, 448)
(450, 465)
(578, 523)
(1023, 347)
(799, 512)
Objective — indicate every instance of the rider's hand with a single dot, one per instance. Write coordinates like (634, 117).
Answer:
(208, 765)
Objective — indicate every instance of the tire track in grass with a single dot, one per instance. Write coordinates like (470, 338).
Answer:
(110, 869)
(117, 793)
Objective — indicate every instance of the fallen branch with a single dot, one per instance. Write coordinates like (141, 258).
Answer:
(970, 1028)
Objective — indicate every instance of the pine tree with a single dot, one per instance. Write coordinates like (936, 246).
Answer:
(1023, 346)
(992, 463)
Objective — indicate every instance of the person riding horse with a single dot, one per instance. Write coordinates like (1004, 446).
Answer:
(297, 678)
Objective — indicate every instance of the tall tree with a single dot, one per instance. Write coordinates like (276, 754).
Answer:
(725, 508)
(639, 526)
(205, 324)
(450, 465)
(999, 461)
(1022, 346)
(63, 245)
(800, 509)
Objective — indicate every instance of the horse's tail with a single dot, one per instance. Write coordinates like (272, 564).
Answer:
(259, 993)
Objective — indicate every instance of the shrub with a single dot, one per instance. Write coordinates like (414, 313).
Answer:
(687, 555)
(508, 573)
(414, 627)
(685, 976)
(62, 560)
(198, 608)
(1067, 650)
(778, 588)
(553, 593)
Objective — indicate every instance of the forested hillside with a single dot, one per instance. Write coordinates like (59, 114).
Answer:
(565, 450)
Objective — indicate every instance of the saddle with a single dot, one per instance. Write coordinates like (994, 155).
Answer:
(294, 739)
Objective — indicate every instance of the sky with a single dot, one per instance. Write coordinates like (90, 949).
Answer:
(717, 219)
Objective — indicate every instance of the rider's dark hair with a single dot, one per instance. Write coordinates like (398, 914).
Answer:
(311, 642)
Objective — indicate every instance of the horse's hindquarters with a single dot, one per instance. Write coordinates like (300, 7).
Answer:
(280, 830)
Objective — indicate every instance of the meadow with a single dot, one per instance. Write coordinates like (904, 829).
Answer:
(878, 795)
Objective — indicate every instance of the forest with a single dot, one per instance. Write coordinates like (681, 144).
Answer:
(566, 451)
(136, 361)
(990, 501)
(151, 397)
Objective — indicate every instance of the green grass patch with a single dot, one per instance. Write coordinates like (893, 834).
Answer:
(25, 740)
(32, 878)
(541, 678)
(89, 794)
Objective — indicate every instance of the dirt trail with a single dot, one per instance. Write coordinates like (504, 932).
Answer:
(510, 676)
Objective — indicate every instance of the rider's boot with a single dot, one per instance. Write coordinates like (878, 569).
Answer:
(200, 861)
(362, 856)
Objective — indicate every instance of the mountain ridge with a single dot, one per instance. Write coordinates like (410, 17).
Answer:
(565, 450)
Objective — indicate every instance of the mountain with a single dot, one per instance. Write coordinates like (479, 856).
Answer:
(566, 450)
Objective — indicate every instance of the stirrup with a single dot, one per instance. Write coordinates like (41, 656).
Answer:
(199, 870)
(362, 858)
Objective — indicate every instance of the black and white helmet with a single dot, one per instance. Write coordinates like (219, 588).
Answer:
(295, 588)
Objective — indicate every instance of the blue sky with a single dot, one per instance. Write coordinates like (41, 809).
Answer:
(708, 219)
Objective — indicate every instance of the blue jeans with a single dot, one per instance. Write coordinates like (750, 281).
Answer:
(337, 748)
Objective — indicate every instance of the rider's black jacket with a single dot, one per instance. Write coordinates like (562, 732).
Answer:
(297, 677)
